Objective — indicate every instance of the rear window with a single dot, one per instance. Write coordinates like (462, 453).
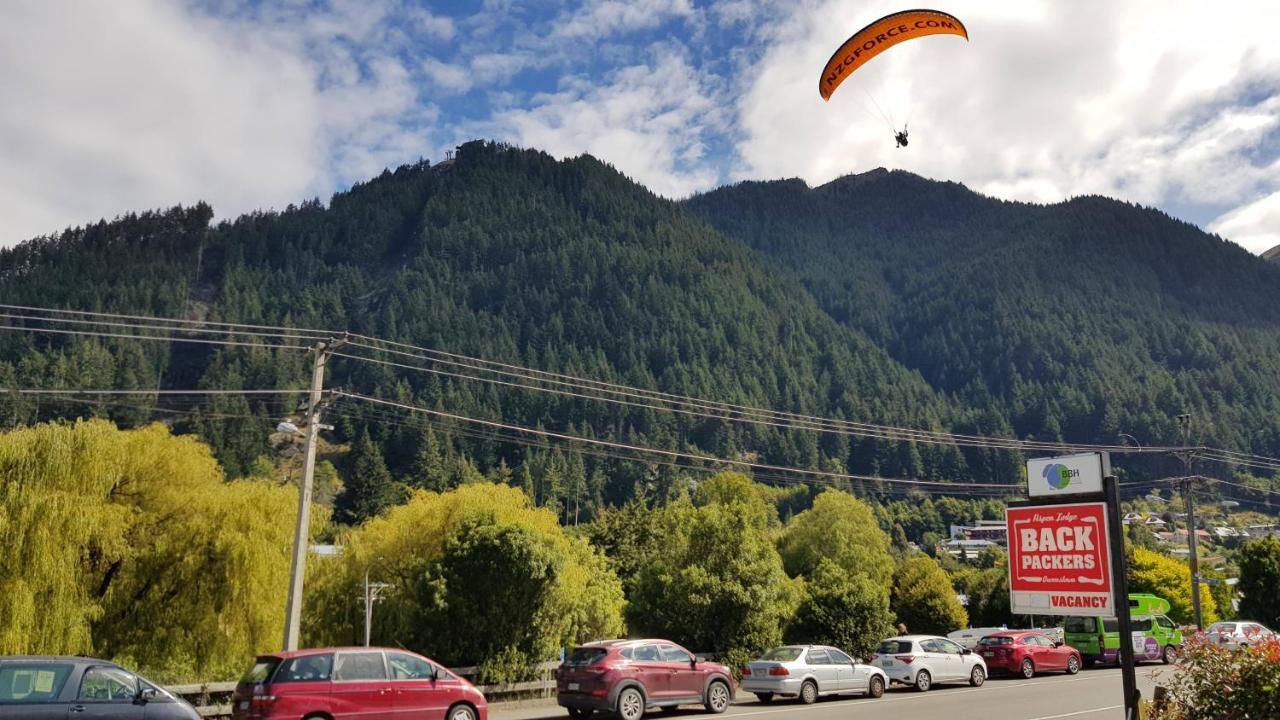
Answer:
(996, 640)
(306, 668)
(581, 657)
(1110, 625)
(31, 682)
(261, 671)
(890, 647)
(782, 654)
(1080, 625)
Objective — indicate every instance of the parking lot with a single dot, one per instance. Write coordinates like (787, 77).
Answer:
(1091, 695)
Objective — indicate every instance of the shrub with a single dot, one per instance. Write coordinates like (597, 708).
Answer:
(1213, 683)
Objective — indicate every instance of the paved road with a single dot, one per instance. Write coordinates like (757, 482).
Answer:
(1091, 695)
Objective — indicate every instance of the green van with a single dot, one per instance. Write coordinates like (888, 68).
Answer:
(1155, 636)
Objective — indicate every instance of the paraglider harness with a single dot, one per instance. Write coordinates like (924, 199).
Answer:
(901, 137)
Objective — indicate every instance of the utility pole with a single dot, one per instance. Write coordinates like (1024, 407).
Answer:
(301, 533)
(371, 591)
(1184, 421)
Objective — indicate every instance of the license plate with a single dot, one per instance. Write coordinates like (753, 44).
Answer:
(988, 654)
(573, 686)
(889, 663)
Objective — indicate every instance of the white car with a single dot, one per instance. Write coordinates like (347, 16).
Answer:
(969, 638)
(922, 660)
(808, 671)
(1236, 635)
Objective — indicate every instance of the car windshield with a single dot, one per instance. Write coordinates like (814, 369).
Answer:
(996, 640)
(890, 647)
(782, 654)
(1222, 628)
(1079, 625)
(261, 670)
(581, 657)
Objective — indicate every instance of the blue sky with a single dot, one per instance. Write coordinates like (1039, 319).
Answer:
(112, 107)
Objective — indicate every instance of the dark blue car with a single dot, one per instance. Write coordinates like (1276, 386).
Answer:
(69, 688)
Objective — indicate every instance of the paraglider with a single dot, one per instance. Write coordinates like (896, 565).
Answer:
(879, 36)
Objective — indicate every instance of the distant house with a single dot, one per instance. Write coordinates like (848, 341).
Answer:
(968, 549)
(1130, 517)
(993, 531)
(1153, 520)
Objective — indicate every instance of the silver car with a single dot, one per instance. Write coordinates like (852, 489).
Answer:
(808, 671)
(1236, 635)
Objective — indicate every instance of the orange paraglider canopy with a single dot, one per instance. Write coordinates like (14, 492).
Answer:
(881, 35)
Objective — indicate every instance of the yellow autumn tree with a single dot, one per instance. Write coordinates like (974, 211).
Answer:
(130, 544)
(1169, 578)
(477, 555)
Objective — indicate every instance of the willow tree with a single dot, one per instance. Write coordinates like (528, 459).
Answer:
(131, 545)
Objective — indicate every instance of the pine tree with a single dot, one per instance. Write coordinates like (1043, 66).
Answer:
(369, 488)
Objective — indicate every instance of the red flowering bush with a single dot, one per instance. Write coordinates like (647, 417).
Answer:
(1213, 683)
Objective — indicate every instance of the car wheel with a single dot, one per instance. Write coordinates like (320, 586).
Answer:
(875, 688)
(1028, 669)
(809, 692)
(1169, 654)
(462, 712)
(1073, 665)
(923, 680)
(581, 713)
(977, 676)
(717, 697)
(630, 704)
(765, 697)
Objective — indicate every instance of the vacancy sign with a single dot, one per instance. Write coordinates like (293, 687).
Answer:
(1058, 560)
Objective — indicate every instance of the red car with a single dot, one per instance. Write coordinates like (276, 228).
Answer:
(357, 682)
(629, 676)
(1027, 653)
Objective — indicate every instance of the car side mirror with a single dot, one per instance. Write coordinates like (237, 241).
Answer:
(966, 651)
(1058, 643)
(693, 662)
(146, 695)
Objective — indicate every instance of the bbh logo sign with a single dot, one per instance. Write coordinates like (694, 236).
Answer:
(1059, 476)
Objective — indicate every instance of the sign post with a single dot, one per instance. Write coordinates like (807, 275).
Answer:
(1128, 676)
(1066, 551)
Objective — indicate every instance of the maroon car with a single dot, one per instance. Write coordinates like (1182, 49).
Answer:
(1027, 653)
(628, 676)
(358, 682)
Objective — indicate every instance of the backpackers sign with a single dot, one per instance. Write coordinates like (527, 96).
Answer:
(1059, 560)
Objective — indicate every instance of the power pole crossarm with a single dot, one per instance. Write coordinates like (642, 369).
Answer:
(301, 533)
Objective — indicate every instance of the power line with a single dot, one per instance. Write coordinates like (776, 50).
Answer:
(666, 453)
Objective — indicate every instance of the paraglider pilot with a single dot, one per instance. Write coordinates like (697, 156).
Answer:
(901, 137)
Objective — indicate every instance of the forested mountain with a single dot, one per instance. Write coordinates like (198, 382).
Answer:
(1074, 321)
(504, 254)
(880, 297)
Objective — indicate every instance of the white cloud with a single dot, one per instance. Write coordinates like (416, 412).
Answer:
(650, 121)
(1048, 100)
(115, 107)
(446, 77)
(1256, 226)
(598, 19)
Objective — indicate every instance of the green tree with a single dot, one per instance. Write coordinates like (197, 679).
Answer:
(923, 598)
(716, 586)
(1259, 586)
(847, 611)
(369, 489)
(841, 528)
(456, 557)
(488, 597)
